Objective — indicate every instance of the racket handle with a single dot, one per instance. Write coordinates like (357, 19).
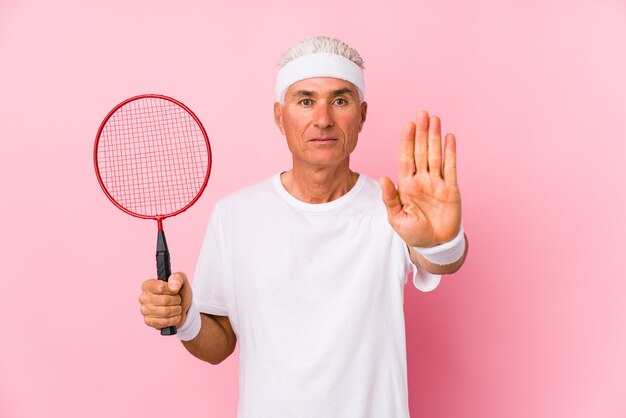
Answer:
(164, 270)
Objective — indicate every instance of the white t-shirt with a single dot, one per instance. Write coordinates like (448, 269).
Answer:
(315, 295)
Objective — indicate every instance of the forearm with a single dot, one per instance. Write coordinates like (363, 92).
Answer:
(419, 260)
(216, 340)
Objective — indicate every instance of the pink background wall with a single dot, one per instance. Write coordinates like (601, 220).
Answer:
(533, 326)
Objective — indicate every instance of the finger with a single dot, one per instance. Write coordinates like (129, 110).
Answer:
(160, 323)
(421, 142)
(434, 147)
(157, 287)
(449, 173)
(406, 164)
(147, 298)
(391, 198)
(161, 311)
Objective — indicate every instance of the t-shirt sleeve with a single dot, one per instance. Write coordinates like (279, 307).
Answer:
(208, 283)
(423, 280)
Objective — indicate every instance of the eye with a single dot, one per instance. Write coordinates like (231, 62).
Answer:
(341, 102)
(306, 102)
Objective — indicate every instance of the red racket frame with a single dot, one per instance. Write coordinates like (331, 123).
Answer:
(158, 218)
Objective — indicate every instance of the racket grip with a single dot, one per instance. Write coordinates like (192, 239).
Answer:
(164, 270)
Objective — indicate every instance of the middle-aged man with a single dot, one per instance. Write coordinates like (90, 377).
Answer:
(307, 268)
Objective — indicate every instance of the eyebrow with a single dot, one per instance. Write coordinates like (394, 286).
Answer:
(344, 90)
(338, 92)
(303, 93)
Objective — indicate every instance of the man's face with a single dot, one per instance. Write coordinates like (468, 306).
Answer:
(321, 118)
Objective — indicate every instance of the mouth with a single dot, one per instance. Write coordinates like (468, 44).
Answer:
(323, 140)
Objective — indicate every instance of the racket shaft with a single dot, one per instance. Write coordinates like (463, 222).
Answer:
(164, 270)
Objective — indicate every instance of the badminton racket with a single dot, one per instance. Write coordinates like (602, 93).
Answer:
(153, 160)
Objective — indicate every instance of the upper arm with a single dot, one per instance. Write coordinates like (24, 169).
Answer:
(216, 340)
(224, 323)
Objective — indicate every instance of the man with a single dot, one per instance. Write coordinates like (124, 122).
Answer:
(307, 269)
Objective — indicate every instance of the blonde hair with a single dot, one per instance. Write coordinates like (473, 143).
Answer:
(318, 44)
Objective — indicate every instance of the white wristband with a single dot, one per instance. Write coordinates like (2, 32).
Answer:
(191, 328)
(446, 253)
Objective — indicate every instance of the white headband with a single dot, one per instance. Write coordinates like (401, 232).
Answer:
(321, 64)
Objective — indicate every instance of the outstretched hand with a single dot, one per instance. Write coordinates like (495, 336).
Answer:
(425, 209)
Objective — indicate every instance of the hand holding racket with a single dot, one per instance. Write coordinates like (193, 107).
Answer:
(153, 159)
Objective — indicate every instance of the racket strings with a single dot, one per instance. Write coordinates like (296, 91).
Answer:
(152, 157)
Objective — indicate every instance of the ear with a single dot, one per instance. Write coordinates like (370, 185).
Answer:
(278, 117)
(363, 114)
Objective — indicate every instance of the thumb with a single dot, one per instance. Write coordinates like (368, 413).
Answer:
(179, 284)
(176, 282)
(391, 198)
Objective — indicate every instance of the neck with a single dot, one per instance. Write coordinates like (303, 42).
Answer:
(319, 184)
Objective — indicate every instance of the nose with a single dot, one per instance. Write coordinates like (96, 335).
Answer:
(323, 117)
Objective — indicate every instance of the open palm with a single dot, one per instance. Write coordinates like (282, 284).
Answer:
(425, 209)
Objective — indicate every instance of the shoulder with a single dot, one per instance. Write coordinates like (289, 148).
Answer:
(371, 187)
(248, 193)
(245, 199)
(370, 194)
